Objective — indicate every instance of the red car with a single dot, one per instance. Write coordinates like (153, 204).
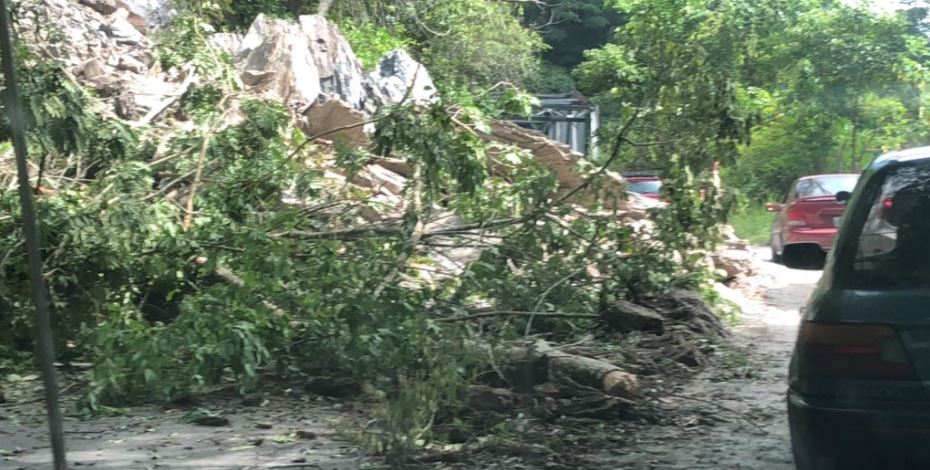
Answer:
(808, 218)
(645, 184)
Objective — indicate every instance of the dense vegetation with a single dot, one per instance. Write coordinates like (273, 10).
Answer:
(773, 90)
(174, 264)
(167, 301)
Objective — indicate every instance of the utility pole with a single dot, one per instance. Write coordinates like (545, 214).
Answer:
(45, 350)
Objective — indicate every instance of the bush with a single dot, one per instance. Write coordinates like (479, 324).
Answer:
(753, 223)
(371, 42)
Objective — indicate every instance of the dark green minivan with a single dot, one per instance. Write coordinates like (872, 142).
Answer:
(859, 394)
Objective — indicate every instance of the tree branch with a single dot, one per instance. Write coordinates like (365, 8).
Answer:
(475, 316)
(614, 153)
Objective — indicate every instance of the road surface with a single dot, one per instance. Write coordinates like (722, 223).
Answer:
(740, 422)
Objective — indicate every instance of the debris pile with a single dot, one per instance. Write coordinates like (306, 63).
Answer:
(602, 379)
(310, 66)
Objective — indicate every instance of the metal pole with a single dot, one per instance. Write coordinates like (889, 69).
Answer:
(44, 347)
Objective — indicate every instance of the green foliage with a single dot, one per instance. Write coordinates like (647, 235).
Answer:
(371, 42)
(772, 91)
(237, 15)
(753, 223)
(571, 27)
(689, 227)
(431, 143)
(471, 43)
(185, 44)
(205, 251)
(474, 42)
(56, 111)
(551, 79)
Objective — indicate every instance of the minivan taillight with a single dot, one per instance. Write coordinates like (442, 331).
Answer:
(851, 351)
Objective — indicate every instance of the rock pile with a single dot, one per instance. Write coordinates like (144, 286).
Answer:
(103, 44)
(306, 63)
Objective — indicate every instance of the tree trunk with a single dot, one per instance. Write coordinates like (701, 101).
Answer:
(854, 153)
(587, 372)
(840, 157)
(854, 139)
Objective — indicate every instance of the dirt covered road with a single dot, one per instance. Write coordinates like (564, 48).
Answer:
(732, 415)
(729, 416)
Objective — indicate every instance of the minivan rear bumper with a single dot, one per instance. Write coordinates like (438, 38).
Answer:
(826, 436)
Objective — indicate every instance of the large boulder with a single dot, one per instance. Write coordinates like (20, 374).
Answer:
(337, 121)
(309, 61)
(303, 63)
(226, 42)
(399, 76)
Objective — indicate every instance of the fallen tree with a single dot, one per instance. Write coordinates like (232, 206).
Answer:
(314, 257)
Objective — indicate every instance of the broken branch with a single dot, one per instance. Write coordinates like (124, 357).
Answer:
(499, 313)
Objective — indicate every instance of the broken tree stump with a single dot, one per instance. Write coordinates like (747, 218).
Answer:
(587, 372)
(624, 316)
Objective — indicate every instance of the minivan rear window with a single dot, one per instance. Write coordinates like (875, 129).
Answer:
(894, 244)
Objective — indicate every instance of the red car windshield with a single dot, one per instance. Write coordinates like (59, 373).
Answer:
(825, 185)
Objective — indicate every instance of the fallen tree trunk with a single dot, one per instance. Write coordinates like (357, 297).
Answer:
(587, 372)
(231, 278)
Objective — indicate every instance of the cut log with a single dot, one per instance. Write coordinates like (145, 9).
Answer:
(335, 387)
(587, 372)
(732, 262)
(484, 398)
(624, 316)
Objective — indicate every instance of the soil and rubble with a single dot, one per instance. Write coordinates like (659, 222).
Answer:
(727, 414)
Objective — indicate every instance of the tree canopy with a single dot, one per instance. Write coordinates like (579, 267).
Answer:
(773, 90)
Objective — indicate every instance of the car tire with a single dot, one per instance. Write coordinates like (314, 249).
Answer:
(828, 457)
(820, 462)
(776, 258)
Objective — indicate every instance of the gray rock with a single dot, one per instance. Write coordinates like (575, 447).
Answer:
(226, 42)
(274, 58)
(104, 7)
(397, 73)
(154, 12)
(304, 63)
(90, 69)
(107, 53)
(129, 63)
(120, 29)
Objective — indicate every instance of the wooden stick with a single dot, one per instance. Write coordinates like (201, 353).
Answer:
(496, 313)
(198, 174)
(161, 107)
